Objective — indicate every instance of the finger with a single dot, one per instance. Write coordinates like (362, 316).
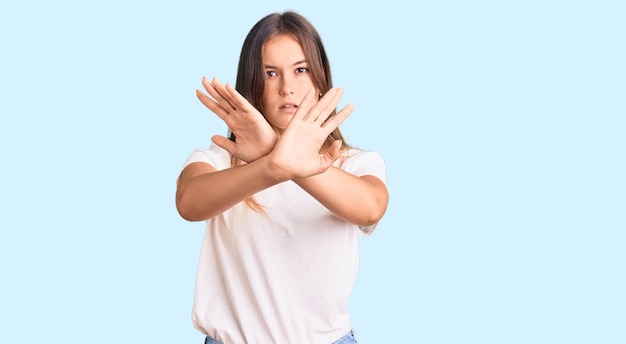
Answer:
(208, 86)
(333, 122)
(324, 106)
(218, 91)
(306, 105)
(211, 105)
(238, 100)
(216, 97)
(330, 96)
(225, 143)
(328, 104)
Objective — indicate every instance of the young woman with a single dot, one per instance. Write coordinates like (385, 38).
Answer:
(284, 197)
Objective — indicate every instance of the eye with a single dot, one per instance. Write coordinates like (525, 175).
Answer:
(302, 70)
(271, 73)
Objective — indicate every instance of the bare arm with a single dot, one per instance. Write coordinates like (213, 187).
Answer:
(360, 200)
(203, 192)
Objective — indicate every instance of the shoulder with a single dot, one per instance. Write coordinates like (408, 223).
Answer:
(363, 162)
(359, 156)
(214, 156)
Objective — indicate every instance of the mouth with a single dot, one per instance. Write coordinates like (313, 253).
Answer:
(289, 106)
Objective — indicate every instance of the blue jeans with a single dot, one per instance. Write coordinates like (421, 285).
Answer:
(350, 338)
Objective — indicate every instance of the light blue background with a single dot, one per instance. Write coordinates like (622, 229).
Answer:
(502, 125)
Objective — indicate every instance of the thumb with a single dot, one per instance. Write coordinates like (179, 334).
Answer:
(331, 155)
(334, 151)
(225, 143)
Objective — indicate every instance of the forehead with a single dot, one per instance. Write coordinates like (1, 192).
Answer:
(282, 47)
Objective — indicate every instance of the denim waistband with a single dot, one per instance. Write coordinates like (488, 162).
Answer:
(349, 338)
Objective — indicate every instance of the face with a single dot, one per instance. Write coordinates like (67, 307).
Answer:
(287, 79)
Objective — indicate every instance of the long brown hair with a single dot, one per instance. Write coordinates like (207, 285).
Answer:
(250, 71)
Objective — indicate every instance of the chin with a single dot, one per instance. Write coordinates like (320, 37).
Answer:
(281, 126)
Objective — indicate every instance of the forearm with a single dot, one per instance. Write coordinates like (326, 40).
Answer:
(360, 200)
(205, 195)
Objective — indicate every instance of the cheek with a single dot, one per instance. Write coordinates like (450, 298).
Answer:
(268, 91)
(265, 96)
(306, 82)
(306, 86)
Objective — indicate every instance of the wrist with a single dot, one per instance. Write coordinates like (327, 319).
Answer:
(273, 169)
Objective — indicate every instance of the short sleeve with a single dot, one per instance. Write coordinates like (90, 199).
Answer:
(363, 163)
(214, 156)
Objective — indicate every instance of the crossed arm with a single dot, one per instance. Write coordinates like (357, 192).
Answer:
(204, 192)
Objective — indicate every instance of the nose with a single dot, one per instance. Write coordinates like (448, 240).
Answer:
(286, 86)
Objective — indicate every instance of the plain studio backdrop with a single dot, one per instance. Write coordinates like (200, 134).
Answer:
(501, 123)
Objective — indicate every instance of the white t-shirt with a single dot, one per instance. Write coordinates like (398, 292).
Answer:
(280, 277)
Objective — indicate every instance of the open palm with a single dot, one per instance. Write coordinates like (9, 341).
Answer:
(299, 151)
(254, 137)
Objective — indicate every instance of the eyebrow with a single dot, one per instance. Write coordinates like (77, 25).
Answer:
(295, 64)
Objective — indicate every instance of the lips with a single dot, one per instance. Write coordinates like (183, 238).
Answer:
(289, 106)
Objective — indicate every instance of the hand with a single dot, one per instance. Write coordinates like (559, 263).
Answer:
(299, 152)
(254, 137)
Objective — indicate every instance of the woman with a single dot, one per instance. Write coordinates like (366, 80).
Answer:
(284, 197)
